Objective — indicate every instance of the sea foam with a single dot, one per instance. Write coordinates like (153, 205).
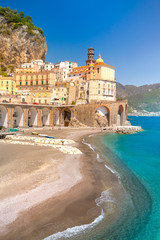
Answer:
(106, 197)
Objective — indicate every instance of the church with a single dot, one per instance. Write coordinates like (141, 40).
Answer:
(97, 79)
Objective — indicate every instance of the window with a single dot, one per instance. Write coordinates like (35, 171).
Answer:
(99, 85)
(36, 82)
(26, 83)
(42, 82)
(47, 82)
(20, 83)
(7, 82)
(97, 70)
(31, 83)
(7, 88)
(39, 95)
(98, 91)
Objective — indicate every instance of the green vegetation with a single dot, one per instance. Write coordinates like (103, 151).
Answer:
(73, 103)
(129, 110)
(15, 20)
(146, 97)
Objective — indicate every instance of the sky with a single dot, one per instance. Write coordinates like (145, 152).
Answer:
(125, 32)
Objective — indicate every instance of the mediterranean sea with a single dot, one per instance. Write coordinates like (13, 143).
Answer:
(135, 160)
(140, 152)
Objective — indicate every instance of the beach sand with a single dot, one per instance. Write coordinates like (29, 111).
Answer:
(44, 191)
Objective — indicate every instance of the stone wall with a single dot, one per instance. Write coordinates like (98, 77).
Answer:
(81, 115)
(86, 113)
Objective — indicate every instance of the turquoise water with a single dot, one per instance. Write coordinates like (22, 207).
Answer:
(141, 153)
(135, 159)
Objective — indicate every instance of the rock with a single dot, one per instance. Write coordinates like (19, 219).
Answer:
(75, 123)
(100, 121)
(18, 45)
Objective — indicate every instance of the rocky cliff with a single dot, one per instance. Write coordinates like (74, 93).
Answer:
(20, 41)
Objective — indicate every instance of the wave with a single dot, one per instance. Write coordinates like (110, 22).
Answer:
(113, 171)
(106, 197)
(100, 160)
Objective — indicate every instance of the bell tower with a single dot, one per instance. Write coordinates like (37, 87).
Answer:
(90, 56)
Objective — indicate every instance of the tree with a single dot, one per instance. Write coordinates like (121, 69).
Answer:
(28, 19)
(21, 14)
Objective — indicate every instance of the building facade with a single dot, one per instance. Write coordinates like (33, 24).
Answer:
(7, 85)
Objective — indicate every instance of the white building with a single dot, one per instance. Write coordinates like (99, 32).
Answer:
(48, 66)
(63, 68)
(38, 62)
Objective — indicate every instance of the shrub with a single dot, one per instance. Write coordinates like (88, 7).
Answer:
(15, 19)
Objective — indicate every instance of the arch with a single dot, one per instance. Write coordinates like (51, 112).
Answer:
(56, 117)
(18, 117)
(102, 116)
(45, 117)
(32, 117)
(3, 116)
(67, 115)
(120, 116)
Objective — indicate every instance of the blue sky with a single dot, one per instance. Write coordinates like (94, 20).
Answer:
(125, 32)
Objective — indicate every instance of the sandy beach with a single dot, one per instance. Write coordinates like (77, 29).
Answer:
(44, 191)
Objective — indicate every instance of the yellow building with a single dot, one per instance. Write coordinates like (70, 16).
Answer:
(7, 85)
(35, 87)
(60, 92)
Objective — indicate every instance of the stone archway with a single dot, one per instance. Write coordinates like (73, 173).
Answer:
(67, 115)
(32, 117)
(3, 116)
(120, 116)
(45, 117)
(18, 117)
(102, 117)
(56, 117)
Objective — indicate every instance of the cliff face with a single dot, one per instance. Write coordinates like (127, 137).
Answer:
(19, 45)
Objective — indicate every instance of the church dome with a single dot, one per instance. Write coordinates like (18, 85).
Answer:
(99, 60)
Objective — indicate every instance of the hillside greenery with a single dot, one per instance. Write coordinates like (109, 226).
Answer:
(15, 20)
(146, 97)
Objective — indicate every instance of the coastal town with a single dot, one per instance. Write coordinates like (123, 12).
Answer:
(41, 93)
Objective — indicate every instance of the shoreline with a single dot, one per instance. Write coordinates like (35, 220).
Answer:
(90, 192)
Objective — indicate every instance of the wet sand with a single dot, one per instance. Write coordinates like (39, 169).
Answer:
(43, 191)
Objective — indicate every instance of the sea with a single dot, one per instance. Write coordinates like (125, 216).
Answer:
(135, 159)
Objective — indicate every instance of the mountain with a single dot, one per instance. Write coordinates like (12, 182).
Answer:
(20, 40)
(146, 97)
